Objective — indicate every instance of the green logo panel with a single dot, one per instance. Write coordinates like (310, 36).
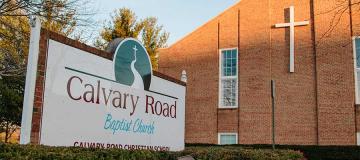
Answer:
(132, 51)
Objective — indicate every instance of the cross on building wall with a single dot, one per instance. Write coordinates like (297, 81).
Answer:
(292, 24)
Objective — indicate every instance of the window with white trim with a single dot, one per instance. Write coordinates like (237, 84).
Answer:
(228, 81)
(358, 138)
(357, 68)
(227, 138)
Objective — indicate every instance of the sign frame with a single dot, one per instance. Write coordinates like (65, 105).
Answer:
(45, 36)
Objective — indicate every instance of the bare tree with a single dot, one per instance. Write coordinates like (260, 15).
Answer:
(341, 8)
(7, 7)
(61, 16)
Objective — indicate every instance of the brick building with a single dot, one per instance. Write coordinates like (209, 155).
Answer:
(231, 60)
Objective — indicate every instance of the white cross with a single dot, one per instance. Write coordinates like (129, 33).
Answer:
(292, 26)
(135, 49)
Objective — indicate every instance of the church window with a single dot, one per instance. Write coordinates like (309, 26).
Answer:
(357, 68)
(228, 86)
(227, 138)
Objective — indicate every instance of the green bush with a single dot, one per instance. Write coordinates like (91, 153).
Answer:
(310, 152)
(327, 152)
(38, 152)
(229, 152)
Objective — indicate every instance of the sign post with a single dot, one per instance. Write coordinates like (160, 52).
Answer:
(273, 112)
(30, 80)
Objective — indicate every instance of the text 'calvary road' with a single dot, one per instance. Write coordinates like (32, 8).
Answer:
(96, 94)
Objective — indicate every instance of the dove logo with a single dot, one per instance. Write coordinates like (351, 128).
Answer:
(132, 64)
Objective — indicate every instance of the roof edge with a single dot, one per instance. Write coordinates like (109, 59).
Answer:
(201, 26)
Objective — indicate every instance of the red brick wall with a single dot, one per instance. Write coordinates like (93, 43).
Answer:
(356, 32)
(254, 83)
(355, 17)
(314, 105)
(39, 87)
(296, 92)
(335, 77)
(201, 107)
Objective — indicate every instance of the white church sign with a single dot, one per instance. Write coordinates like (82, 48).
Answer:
(292, 24)
(91, 101)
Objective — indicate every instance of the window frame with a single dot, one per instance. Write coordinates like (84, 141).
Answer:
(227, 134)
(236, 77)
(357, 100)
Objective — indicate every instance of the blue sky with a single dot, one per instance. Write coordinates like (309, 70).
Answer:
(179, 17)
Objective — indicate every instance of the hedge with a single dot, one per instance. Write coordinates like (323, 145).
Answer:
(229, 152)
(309, 151)
(27, 152)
